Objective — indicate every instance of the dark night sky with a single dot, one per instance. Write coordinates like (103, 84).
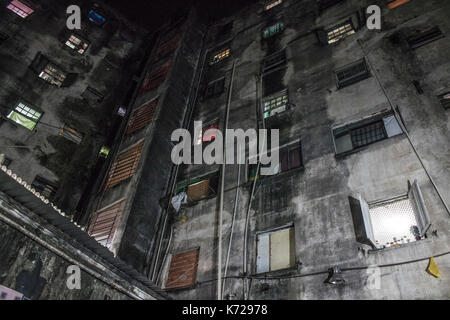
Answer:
(151, 13)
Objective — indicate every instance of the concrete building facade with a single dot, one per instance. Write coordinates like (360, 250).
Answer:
(362, 183)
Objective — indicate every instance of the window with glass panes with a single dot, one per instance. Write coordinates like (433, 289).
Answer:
(275, 104)
(53, 75)
(76, 43)
(20, 8)
(25, 116)
(272, 30)
(340, 32)
(220, 56)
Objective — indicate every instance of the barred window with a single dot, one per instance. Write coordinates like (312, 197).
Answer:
(425, 37)
(71, 134)
(341, 31)
(360, 134)
(25, 116)
(368, 134)
(45, 187)
(352, 73)
(274, 61)
(275, 104)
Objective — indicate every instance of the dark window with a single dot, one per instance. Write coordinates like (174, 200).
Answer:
(291, 157)
(366, 132)
(352, 73)
(445, 100)
(224, 31)
(92, 94)
(6, 162)
(215, 88)
(325, 4)
(274, 61)
(44, 187)
(71, 134)
(3, 37)
(425, 37)
(3, 295)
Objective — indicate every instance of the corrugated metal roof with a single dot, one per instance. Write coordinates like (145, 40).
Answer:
(23, 193)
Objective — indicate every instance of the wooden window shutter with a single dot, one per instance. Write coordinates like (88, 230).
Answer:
(396, 3)
(105, 222)
(141, 117)
(198, 191)
(183, 270)
(125, 166)
(155, 78)
(168, 46)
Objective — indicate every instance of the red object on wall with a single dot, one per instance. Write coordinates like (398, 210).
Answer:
(155, 78)
(142, 117)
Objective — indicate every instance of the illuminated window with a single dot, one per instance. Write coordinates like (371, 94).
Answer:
(275, 250)
(392, 222)
(77, 44)
(275, 104)
(272, 4)
(20, 8)
(220, 56)
(341, 31)
(96, 18)
(25, 116)
(53, 75)
(273, 30)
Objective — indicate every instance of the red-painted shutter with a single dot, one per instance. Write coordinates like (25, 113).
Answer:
(183, 270)
(155, 78)
(168, 46)
(212, 135)
(125, 166)
(141, 117)
(105, 223)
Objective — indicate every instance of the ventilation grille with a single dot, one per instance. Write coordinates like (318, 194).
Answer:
(425, 37)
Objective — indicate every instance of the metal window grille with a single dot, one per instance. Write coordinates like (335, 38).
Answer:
(53, 75)
(76, 43)
(272, 30)
(352, 73)
(274, 61)
(368, 134)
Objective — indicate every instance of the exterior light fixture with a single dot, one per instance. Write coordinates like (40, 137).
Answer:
(104, 152)
(335, 277)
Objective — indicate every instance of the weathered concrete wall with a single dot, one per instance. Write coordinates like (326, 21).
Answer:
(107, 66)
(135, 237)
(40, 274)
(315, 199)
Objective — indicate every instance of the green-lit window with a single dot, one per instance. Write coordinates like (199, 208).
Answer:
(272, 30)
(25, 116)
(275, 104)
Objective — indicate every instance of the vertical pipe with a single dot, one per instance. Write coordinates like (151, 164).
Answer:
(400, 121)
(222, 186)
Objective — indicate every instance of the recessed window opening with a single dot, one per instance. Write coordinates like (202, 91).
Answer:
(25, 116)
(340, 32)
(273, 30)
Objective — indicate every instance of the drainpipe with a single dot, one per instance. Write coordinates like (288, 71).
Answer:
(400, 121)
(222, 187)
(247, 218)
